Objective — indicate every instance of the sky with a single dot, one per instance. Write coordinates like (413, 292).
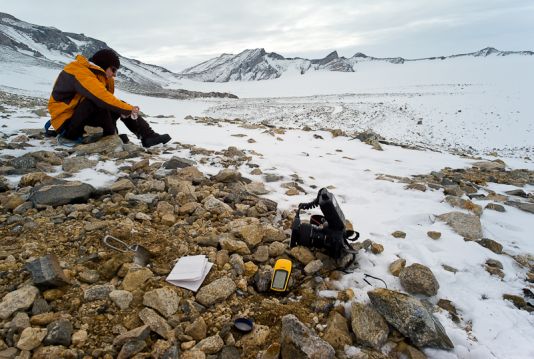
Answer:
(179, 34)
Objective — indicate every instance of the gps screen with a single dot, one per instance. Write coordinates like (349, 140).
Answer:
(279, 279)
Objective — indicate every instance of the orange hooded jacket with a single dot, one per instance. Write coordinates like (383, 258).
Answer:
(79, 80)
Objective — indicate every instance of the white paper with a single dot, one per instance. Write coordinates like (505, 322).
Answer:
(190, 272)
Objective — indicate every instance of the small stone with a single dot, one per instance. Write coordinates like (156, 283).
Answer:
(490, 244)
(303, 254)
(337, 331)
(121, 298)
(79, 338)
(434, 235)
(168, 219)
(494, 271)
(250, 269)
(140, 216)
(494, 263)
(292, 192)
(227, 176)
(298, 341)
(262, 278)
(396, 266)
(518, 301)
(131, 348)
(276, 249)
(466, 225)
(136, 278)
(197, 330)
(193, 354)
(19, 299)
(251, 234)
(156, 323)
(495, 207)
(256, 338)
(419, 279)
(215, 206)
(416, 186)
(46, 271)
(97, 292)
(261, 255)
(122, 185)
(178, 162)
(44, 318)
(313, 267)
(211, 345)
(216, 291)
(20, 322)
(237, 263)
(31, 338)
(187, 345)
(164, 300)
(377, 248)
(53, 294)
(89, 276)
(59, 333)
(140, 333)
(233, 245)
(399, 234)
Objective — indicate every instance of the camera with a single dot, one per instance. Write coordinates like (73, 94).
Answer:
(326, 232)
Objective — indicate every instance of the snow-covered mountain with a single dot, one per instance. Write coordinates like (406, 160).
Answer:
(24, 46)
(257, 64)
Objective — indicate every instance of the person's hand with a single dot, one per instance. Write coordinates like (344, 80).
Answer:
(135, 112)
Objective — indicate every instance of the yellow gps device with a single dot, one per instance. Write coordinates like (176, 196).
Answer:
(282, 271)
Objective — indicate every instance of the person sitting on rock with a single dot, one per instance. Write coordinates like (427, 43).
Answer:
(83, 96)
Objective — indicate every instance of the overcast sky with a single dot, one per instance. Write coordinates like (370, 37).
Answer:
(178, 34)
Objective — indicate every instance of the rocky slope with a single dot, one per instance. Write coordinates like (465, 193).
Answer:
(257, 64)
(65, 294)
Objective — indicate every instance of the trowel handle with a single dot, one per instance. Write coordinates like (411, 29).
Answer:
(107, 240)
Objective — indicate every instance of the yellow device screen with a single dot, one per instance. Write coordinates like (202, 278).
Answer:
(282, 271)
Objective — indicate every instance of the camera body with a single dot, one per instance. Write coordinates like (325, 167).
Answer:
(326, 232)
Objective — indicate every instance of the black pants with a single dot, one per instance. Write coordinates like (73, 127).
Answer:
(87, 113)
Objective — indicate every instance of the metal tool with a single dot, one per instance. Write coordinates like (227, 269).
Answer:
(141, 254)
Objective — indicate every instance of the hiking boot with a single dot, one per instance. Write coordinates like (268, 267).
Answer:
(124, 138)
(67, 142)
(155, 140)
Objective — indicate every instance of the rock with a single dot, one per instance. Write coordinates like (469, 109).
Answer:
(232, 245)
(434, 235)
(79, 338)
(227, 176)
(399, 234)
(276, 249)
(230, 352)
(192, 174)
(164, 300)
(197, 330)
(377, 248)
(75, 164)
(4, 184)
(251, 234)
(178, 162)
(131, 348)
(97, 292)
(20, 322)
(40, 306)
(136, 278)
(123, 184)
(46, 271)
(303, 254)
(193, 354)
(490, 244)
(156, 323)
(490, 165)
(20, 299)
(410, 317)
(292, 192)
(250, 269)
(147, 198)
(90, 276)
(217, 290)
(337, 331)
(210, 345)
(237, 263)
(466, 225)
(189, 208)
(257, 188)
(9, 353)
(517, 192)
(23, 208)
(165, 349)
(368, 326)
(256, 338)
(139, 333)
(31, 338)
(417, 186)
(494, 263)
(519, 302)
(495, 207)
(60, 194)
(106, 145)
(453, 190)
(396, 267)
(419, 279)
(527, 207)
(215, 206)
(121, 298)
(33, 179)
(449, 307)
(313, 267)
(59, 333)
(299, 342)
(465, 204)
(261, 255)
(262, 278)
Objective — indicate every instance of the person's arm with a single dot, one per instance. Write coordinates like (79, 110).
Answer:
(90, 87)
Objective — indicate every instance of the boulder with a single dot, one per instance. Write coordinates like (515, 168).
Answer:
(368, 326)
(466, 225)
(300, 342)
(410, 317)
(61, 193)
(419, 279)
(217, 290)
